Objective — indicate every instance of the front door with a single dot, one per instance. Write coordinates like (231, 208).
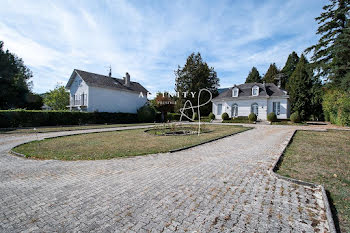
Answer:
(255, 109)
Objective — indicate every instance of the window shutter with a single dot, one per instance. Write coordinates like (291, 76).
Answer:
(274, 107)
(278, 108)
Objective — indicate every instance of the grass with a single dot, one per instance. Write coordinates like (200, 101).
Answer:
(323, 158)
(115, 144)
(47, 129)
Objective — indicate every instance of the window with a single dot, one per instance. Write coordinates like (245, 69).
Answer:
(235, 92)
(255, 109)
(276, 108)
(219, 110)
(234, 110)
(255, 91)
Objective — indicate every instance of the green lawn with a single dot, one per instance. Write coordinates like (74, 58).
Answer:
(323, 158)
(114, 144)
(46, 129)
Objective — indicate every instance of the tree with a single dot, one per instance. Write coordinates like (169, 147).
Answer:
(14, 80)
(253, 76)
(289, 68)
(299, 87)
(57, 99)
(271, 73)
(34, 101)
(195, 75)
(163, 103)
(331, 54)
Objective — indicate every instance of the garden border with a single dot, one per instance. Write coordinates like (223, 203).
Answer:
(275, 168)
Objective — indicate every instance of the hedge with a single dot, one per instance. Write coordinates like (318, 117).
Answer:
(31, 118)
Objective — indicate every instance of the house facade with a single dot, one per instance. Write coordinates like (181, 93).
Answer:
(94, 92)
(258, 98)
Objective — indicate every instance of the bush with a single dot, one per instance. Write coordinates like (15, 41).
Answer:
(32, 118)
(195, 116)
(295, 117)
(225, 116)
(336, 107)
(239, 119)
(272, 117)
(211, 116)
(252, 117)
(146, 114)
(173, 116)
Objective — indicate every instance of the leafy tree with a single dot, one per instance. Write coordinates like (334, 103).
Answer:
(331, 54)
(57, 99)
(163, 103)
(253, 76)
(195, 75)
(289, 68)
(271, 73)
(34, 101)
(14, 80)
(299, 87)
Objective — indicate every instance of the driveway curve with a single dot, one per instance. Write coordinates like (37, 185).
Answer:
(222, 186)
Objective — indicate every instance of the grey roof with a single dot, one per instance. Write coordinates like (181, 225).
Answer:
(98, 80)
(221, 90)
(245, 90)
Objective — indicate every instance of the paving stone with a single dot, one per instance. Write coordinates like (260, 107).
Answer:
(222, 186)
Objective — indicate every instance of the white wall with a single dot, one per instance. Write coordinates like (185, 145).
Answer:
(284, 107)
(244, 107)
(78, 87)
(111, 100)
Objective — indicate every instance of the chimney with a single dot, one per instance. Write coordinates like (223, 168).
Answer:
(127, 79)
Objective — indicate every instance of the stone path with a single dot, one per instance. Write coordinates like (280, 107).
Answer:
(223, 186)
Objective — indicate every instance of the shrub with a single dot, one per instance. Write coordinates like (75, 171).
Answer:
(295, 117)
(239, 119)
(252, 117)
(169, 117)
(225, 116)
(272, 117)
(32, 118)
(211, 116)
(195, 116)
(336, 107)
(146, 114)
(174, 116)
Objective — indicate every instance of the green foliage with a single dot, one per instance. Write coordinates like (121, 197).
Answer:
(272, 117)
(195, 116)
(336, 107)
(253, 76)
(271, 73)
(14, 80)
(211, 116)
(196, 75)
(57, 99)
(331, 54)
(299, 87)
(34, 101)
(32, 118)
(295, 117)
(146, 114)
(252, 117)
(174, 116)
(289, 68)
(239, 119)
(225, 116)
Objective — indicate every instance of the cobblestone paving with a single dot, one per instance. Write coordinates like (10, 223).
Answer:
(223, 186)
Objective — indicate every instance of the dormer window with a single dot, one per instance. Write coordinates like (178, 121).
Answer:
(255, 91)
(235, 92)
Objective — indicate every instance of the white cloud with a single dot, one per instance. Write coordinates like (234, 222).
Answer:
(149, 41)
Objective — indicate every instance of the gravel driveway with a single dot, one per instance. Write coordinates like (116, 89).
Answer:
(221, 186)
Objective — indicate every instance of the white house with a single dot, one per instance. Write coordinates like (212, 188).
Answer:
(258, 98)
(94, 92)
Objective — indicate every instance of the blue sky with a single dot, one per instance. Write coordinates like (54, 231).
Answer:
(149, 39)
